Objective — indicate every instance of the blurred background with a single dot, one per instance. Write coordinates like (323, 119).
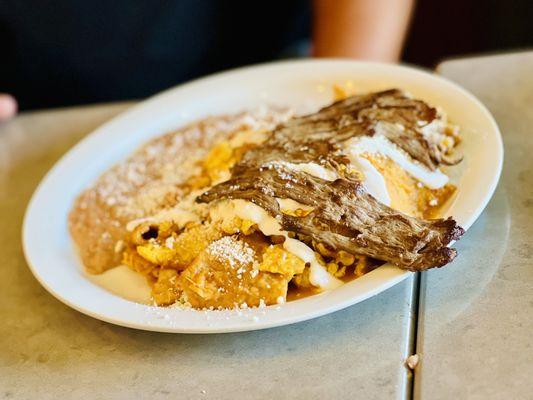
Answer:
(69, 52)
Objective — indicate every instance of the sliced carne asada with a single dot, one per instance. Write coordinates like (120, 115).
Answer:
(318, 137)
(344, 217)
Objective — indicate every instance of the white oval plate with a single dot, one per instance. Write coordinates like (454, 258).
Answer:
(307, 83)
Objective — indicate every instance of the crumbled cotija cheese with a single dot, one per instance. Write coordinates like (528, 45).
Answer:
(234, 251)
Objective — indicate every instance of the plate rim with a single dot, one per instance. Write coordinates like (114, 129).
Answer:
(399, 277)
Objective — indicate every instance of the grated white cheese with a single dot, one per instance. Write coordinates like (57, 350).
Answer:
(318, 274)
(236, 252)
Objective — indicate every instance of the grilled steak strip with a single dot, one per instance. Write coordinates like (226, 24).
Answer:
(345, 217)
(318, 137)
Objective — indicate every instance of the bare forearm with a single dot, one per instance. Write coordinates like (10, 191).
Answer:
(363, 29)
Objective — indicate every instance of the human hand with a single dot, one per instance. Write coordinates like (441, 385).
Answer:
(8, 106)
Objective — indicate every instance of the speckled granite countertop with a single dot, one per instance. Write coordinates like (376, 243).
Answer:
(473, 331)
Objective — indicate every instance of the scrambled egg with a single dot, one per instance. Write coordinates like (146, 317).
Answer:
(166, 291)
(279, 261)
(407, 194)
(219, 160)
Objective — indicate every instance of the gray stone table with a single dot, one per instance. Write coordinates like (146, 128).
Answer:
(49, 351)
(475, 327)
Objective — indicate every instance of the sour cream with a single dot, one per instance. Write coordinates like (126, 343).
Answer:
(125, 283)
(379, 144)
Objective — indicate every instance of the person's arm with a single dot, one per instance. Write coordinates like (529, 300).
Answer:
(363, 29)
(8, 106)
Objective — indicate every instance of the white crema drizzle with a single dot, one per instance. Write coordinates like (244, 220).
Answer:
(182, 213)
(379, 144)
